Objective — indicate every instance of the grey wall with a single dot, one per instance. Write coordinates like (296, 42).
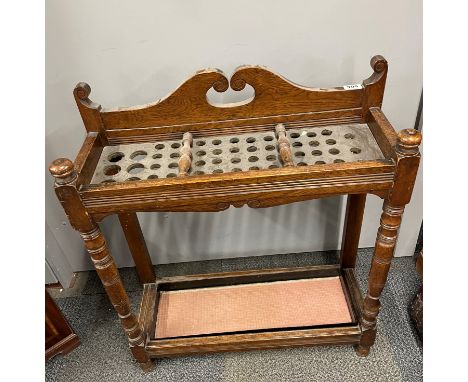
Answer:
(132, 53)
(49, 275)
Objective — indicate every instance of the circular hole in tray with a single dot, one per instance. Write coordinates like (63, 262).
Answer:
(273, 166)
(115, 157)
(173, 165)
(157, 156)
(216, 161)
(171, 175)
(250, 140)
(175, 155)
(294, 135)
(330, 142)
(334, 151)
(235, 160)
(297, 144)
(234, 149)
(320, 162)
(234, 140)
(355, 150)
(108, 181)
(159, 146)
(349, 136)
(200, 163)
(216, 142)
(135, 168)
(217, 151)
(311, 134)
(316, 152)
(201, 153)
(111, 170)
(218, 171)
(271, 158)
(155, 166)
(201, 143)
(133, 178)
(175, 145)
(253, 159)
(302, 164)
(236, 169)
(198, 172)
(138, 155)
(251, 149)
(268, 138)
(254, 168)
(338, 161)
(314, 143)
(269, 147)
(326, 132)
(299, 154)
(153, 177)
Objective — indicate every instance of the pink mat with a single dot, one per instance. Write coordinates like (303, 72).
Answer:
(279, 304)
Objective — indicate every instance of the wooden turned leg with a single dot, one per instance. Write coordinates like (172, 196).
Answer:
(67, 193)
(110, 278)
(352, 229)
(381, 260)
(136, 244)
(407, 162)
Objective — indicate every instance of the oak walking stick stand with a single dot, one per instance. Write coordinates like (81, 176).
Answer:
(288, 143)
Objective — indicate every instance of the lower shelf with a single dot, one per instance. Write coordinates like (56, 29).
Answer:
(250, 310)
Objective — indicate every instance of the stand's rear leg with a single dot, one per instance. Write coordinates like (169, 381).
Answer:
(137, 245)
(352, 229)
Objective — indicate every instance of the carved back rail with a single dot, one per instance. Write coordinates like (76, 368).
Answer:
(275, 100)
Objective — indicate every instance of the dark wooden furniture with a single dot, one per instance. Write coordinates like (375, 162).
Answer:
(59, 336)
(288, 143)
(416, 308)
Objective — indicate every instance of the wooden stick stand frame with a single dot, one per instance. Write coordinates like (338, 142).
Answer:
(286, 144)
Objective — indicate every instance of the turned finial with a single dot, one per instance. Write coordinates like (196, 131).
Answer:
(63, 170)
(408, 142)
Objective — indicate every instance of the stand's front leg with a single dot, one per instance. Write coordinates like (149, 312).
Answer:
(110, 278)
(407, 162)
(65, 188)
(383, 253)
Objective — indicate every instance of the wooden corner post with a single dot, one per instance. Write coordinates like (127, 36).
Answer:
(352, 229)
(65, 187)
(407, 163)
(137, 245)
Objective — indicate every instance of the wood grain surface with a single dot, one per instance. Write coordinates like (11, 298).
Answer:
(275, 101)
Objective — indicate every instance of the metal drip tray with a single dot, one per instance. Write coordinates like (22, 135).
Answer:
(232, 153)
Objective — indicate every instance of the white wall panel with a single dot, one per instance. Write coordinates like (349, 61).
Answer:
(135, 52)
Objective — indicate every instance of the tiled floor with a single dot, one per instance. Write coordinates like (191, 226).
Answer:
(104, 356)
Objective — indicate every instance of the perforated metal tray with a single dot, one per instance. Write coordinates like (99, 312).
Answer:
(242, 152)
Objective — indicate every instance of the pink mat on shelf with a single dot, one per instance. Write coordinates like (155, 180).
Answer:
(279, 304)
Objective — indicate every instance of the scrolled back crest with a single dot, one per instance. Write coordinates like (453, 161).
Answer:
(82, 90)
(202, 81)
(379, 63)
(274, 95)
